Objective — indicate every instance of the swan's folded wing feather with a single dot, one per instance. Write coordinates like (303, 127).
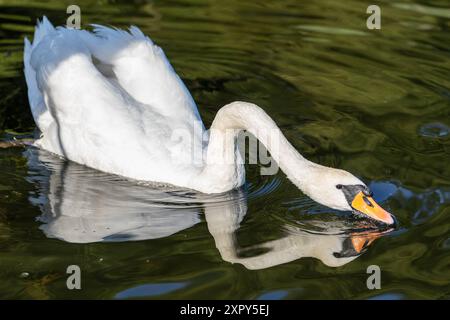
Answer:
(95, 123)
(143, 70)
(41, 115)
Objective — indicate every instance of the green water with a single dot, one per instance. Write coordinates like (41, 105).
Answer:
(373, 102)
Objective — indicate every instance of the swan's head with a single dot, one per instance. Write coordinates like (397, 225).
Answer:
(340, 190)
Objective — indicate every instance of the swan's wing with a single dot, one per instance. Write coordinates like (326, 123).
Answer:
(40, 112)
(139, 66)
(92, 120)
(142, 69)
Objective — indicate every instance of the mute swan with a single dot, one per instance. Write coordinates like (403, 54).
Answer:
(111, 100)
(80, 205)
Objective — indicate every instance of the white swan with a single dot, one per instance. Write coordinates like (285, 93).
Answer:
(81, 206)
(110, 100)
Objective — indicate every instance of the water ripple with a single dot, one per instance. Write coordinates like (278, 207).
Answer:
(434, 130)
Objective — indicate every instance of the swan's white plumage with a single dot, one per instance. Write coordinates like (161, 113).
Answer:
(38, 108)
(111, 100)
(120, 124)
(142, 69)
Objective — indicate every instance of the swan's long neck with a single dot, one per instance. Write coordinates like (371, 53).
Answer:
(224, 168)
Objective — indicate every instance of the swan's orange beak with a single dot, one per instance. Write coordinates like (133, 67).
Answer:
(369, 207)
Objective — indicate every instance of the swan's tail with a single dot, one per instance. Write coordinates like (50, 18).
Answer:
(35, 98)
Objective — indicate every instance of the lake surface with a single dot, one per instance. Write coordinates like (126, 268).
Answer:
(373, 102)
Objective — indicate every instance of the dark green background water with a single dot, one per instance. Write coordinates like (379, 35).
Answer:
(376, 103)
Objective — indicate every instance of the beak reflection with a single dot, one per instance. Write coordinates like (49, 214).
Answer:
(361, 242)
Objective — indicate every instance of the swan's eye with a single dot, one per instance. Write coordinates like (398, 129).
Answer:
(339, 186)
(367, 192)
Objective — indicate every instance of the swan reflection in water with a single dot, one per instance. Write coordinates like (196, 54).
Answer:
(82, 205)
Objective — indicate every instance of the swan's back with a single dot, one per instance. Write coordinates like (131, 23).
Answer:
(111, 100)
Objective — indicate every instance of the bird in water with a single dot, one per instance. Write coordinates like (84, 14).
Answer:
(109, 99)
